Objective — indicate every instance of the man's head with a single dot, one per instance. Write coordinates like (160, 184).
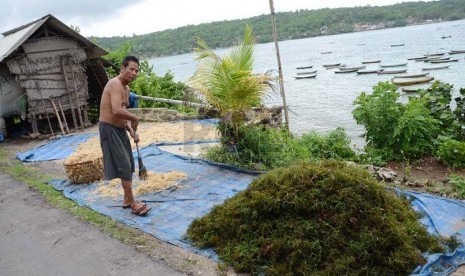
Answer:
(129, 69)
(127, 59)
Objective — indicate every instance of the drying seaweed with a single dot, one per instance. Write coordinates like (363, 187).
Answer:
(324, 218)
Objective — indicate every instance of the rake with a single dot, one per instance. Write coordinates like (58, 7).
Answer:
(142, 170)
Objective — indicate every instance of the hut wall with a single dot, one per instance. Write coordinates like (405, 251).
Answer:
(10, 92)
(51, 68)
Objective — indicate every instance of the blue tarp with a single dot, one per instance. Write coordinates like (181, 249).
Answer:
(209, 184)
(174, 209)
(59, 148)
(444, 217)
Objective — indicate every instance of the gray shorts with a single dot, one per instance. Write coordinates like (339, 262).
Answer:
(118, 161)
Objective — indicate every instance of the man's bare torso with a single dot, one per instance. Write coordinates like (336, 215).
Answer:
(118, 93)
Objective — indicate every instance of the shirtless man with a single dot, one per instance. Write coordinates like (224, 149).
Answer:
(114, 121)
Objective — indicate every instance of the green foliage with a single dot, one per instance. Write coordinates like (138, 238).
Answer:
(334, 145)
(378, 113)
(459, 113)
(263, 148)
(452, 153)
(457, 183)
(396, 131)
(116, 58)
(438, 99)
(149, 84)
(290, 25)
(415, 131)
(377, 157)
(323, 218)
(227, 83)
(257, 147)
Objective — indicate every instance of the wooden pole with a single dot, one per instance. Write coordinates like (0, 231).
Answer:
(63, 115)
(170, 101)
(71, 107)
(58, 116)
(281, 85)
(71, 65)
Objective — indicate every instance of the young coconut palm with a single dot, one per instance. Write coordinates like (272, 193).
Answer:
(228, 84)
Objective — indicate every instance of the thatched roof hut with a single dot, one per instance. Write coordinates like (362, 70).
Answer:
(55, 70)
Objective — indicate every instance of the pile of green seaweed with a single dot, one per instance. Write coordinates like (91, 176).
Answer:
(317, 218)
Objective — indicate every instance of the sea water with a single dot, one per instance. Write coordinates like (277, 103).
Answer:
(326, 101)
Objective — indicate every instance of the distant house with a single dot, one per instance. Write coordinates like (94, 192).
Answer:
(48, 70)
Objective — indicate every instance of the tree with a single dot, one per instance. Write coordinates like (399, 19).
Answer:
(227, 83)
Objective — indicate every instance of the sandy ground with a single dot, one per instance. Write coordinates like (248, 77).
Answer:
(175, 257)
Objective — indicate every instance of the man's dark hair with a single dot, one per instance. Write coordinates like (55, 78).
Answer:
(127, 59)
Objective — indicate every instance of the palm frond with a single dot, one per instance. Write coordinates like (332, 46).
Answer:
(227, 83)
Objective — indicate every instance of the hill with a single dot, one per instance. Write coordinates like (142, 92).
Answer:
(290, 25)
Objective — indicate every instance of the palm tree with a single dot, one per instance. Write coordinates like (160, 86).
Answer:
(228, 84)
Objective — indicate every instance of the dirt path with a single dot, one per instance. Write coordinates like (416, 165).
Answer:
(40, 240)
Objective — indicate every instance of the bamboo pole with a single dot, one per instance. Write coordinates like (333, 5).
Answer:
(281, 85)
(71, 107)
(70, 62)
(170, 101)
(58, 117)
(63, 115)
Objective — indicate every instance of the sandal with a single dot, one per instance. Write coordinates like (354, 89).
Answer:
(142, 211)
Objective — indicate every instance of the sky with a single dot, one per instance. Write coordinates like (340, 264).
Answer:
(106, 18)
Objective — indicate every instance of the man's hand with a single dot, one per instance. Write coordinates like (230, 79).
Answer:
(136, 137)
(134, 125)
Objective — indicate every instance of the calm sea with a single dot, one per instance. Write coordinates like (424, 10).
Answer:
(326, 102)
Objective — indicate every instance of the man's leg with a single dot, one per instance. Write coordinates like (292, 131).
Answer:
(129, 199)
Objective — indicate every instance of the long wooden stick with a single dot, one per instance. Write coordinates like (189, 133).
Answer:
(58, 117)
(63, 115)
(280, 70)
(170, 101)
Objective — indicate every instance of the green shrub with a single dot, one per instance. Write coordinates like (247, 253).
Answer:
(452, 153)
(149, 84)
(378, 113)
(457, 184)
(263, 148)
(266, 147)
(314, 218)
(437, 99)
(334, 145)
(415, 131)
(396, 131)
(377, 157)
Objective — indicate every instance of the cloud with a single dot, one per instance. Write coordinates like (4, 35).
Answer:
(18, 12)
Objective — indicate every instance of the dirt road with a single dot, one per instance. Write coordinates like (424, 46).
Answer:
(40, 240)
